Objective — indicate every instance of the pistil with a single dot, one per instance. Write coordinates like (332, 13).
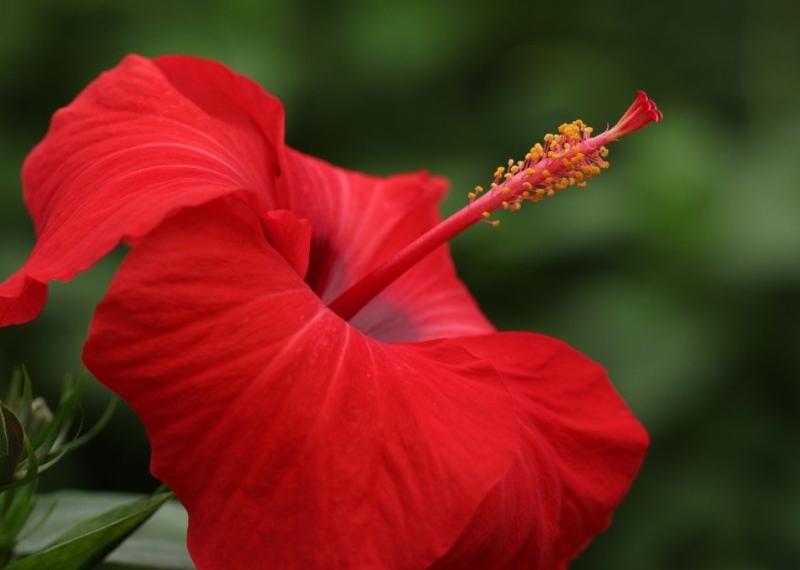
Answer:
(569, 158)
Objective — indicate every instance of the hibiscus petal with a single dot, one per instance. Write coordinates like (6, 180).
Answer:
(581, 450)
(130, 150)
(361, 221)
(290, 437)
(151, 137)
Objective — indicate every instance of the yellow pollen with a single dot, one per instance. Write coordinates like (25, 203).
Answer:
(549, 167)
(486, 214)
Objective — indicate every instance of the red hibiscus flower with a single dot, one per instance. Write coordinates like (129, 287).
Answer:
(318, 387)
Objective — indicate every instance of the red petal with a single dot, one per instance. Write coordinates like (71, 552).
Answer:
(289, 436)
(149, 138)
(132, 149)
(581, 450)
(359, 222)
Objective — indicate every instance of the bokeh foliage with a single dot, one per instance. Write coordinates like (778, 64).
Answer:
(678, 269)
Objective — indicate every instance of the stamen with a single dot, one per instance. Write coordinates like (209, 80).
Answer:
(570, 158)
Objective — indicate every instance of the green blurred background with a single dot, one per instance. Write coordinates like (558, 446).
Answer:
(678, 269)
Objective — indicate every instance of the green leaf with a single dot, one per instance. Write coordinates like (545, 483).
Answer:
(20, 401)
(15, 509)
(159, 543)
(89, 542)
(30, 464)
(56, 430)
(12, 442)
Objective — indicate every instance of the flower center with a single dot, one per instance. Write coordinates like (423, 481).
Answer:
(569, 158)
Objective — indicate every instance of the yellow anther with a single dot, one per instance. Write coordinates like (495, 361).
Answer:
(495, 223)
(568, 166)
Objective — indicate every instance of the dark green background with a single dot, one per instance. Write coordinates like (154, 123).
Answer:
(678, 269)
